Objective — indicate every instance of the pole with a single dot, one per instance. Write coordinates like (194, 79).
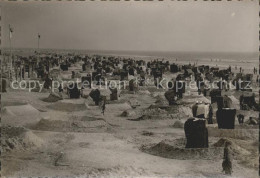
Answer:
(38, 42)
(10, 72)
(1, 74)
(21, 70)
(1, 60)
(38, 55)
(9, 51)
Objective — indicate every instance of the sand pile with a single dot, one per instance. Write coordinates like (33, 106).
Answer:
(236, 149)
(161, 100)
(7, 112)
(128, 113)
(19, 138)
(133, 103)
(186, 111)
(21, 115)
(105, 92)
(245, 152)
(53, 97)
(30, 139)
(22, 109)
(70, 126)
(235, 101)
(153, 106)
(13, 103)
(154, 114)
(248, 113)
(194, 99)
(89, 102)
(147, 133)
(176, 150)
(126, 91)
(153, 89)
(155, 111)
(165, 112)
(179, 111)
(65, 76)
(67, 107)
(118, 107)
(242, 134)
(152, 117)
(178, 124)
(52, 125)
(144, 92)
(38, 90)
(155, 94)
(73, 101)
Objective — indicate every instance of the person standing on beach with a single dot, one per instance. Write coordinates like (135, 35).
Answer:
(227, 164)
(210, 120)
(102, 104)
(60, 89)
(255, 70)
(229, 68)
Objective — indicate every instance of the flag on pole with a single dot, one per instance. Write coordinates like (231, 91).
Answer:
(39, 36)
(10, 31)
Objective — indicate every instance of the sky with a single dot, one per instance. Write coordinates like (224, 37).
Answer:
(194, 26)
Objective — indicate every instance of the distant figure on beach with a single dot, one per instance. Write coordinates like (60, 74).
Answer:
(236, 67)
(240, 118)
(103, 106)
(227, 164)
(229, 68)
(240, 69)
(81, 91)
(60, 88)
(210, 120)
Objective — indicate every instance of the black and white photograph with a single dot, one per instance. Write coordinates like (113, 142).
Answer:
(129, 88)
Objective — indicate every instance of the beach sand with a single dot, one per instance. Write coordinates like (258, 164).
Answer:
(80, 141)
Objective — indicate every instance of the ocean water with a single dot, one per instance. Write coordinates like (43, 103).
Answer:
(222, 60)
(167, 55)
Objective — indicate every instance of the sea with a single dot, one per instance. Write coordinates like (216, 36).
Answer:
(239, 59)
(155, 54)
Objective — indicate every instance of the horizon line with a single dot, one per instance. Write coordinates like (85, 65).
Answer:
(238, 52)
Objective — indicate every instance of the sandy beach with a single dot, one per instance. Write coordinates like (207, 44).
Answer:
(138, 89)
(138, 136)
